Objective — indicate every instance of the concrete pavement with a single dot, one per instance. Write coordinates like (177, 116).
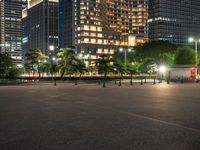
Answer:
(89, 117)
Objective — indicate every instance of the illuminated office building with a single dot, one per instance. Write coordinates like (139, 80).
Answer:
(40, 22)
(11, 28)
(103, 26)
(174, 20)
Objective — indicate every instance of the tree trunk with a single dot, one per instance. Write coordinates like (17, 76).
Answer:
(70, 76)
(80, 76)
(131, 79)
(39, 74)
(62, 74)
(121, 76)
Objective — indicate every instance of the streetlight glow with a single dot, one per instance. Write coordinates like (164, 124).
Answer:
(162, 69)
(53, 58)
(191, 39)
(129, 49)
(121, 49)
(80, 55)
(51, 48)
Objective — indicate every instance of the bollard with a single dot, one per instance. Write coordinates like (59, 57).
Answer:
(104, 85)
(168, 82)
(115, 82)
(145, 80)
(55, 82)
(119, 83)
(141, 82)
(154, 82)
(182, 81)
(131, 82)
(75, 83)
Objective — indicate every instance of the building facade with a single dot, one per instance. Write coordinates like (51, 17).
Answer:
(66, 22)
(173, 20)
(11, 28)
(40, 22)
(103, 26)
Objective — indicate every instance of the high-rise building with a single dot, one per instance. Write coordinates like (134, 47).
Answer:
(66, 23)
(102, 26)
(173, 20)
(11, 28)
(40, 25)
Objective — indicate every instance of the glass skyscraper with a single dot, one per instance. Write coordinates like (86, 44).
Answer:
(11, 28)
(40, 22)
(174, 20)
(66, 25)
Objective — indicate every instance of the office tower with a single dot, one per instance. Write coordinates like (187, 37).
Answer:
(40, 21)
(11, 28)
(173, 20)
(66, 25)
(103, 26)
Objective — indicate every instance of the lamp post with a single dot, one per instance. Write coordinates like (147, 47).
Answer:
(162, 70)
(52, 59)
(125, 54)
(195, 40)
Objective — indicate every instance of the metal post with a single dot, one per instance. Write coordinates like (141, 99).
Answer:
(125, 56)
(51, 67)
(196, 56)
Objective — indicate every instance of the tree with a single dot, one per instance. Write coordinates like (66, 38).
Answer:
(45, 68)
(91, 69)
(159, 52)
(119, 68)
(185, 56)
(146, 65)
(35, 58)
(67, 59)
(133, 69)
(119, 56)
(198, 61)
(15, 72)
(6, 63)
(103, 65)
(80, 67)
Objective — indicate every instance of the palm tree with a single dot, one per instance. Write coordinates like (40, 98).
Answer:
(67, 58)
(132, 69)
(119, 68)
(6, 63)
(80, 67)
(103, 65)
(35, 57)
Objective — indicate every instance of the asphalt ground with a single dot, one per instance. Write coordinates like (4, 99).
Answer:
(89, 117)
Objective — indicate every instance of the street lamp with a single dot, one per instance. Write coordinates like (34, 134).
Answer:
(51, 48)
(195, 40)
(125, 53)
(162, 70)
(52, 58)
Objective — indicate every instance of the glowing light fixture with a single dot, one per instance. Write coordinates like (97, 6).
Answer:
(162, 69)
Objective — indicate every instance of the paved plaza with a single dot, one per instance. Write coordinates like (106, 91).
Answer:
(89, 117)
